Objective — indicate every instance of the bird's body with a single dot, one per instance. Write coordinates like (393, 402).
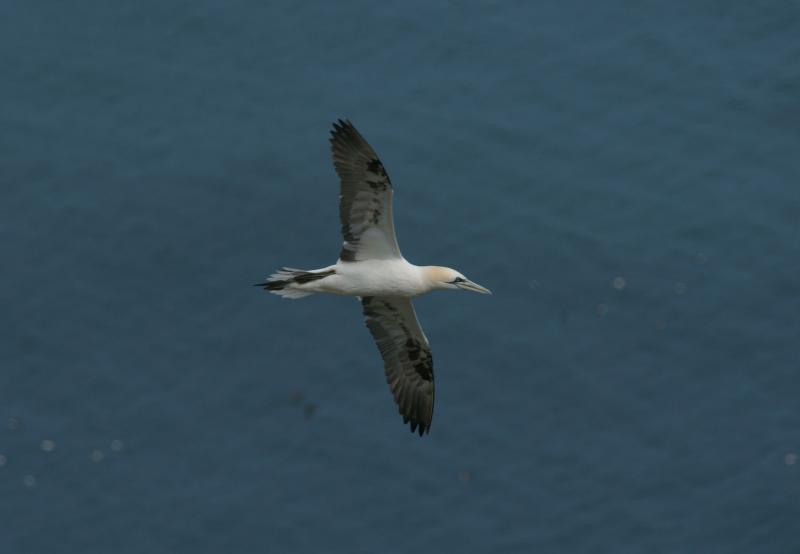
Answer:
(395, 277)
(392, 277)
(371, 268)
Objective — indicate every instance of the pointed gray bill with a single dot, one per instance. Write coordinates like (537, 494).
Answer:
(474, 287)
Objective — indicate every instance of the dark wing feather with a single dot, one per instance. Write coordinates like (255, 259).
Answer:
(406, 357)
(365, 203)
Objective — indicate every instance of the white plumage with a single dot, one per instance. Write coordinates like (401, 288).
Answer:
(371, 267)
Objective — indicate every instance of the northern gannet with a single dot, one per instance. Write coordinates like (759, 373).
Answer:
(371, 268)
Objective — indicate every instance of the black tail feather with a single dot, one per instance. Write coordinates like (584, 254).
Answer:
(273, 285)
(286, 276)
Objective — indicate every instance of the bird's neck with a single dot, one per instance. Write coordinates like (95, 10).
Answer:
(433, 276)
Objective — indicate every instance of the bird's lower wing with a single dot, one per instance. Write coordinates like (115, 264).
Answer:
(406, 357)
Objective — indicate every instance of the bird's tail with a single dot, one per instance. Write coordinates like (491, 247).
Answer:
(288, 282)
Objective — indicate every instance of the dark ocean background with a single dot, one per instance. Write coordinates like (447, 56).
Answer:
(623, 175)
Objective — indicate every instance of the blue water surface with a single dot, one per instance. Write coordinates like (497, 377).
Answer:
(623, 175)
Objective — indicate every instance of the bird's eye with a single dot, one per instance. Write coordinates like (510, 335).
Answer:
(459, 280)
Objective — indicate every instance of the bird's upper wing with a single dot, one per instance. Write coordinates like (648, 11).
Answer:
(406, 357)
(365, 203)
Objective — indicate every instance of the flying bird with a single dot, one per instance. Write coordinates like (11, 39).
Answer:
(371, 268)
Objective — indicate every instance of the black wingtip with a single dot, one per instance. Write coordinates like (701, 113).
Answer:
(416, 427)
(341, 125)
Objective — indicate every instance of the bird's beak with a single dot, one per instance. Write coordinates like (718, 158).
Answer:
(474, 287)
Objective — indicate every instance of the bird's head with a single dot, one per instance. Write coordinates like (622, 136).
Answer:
(446, 278)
